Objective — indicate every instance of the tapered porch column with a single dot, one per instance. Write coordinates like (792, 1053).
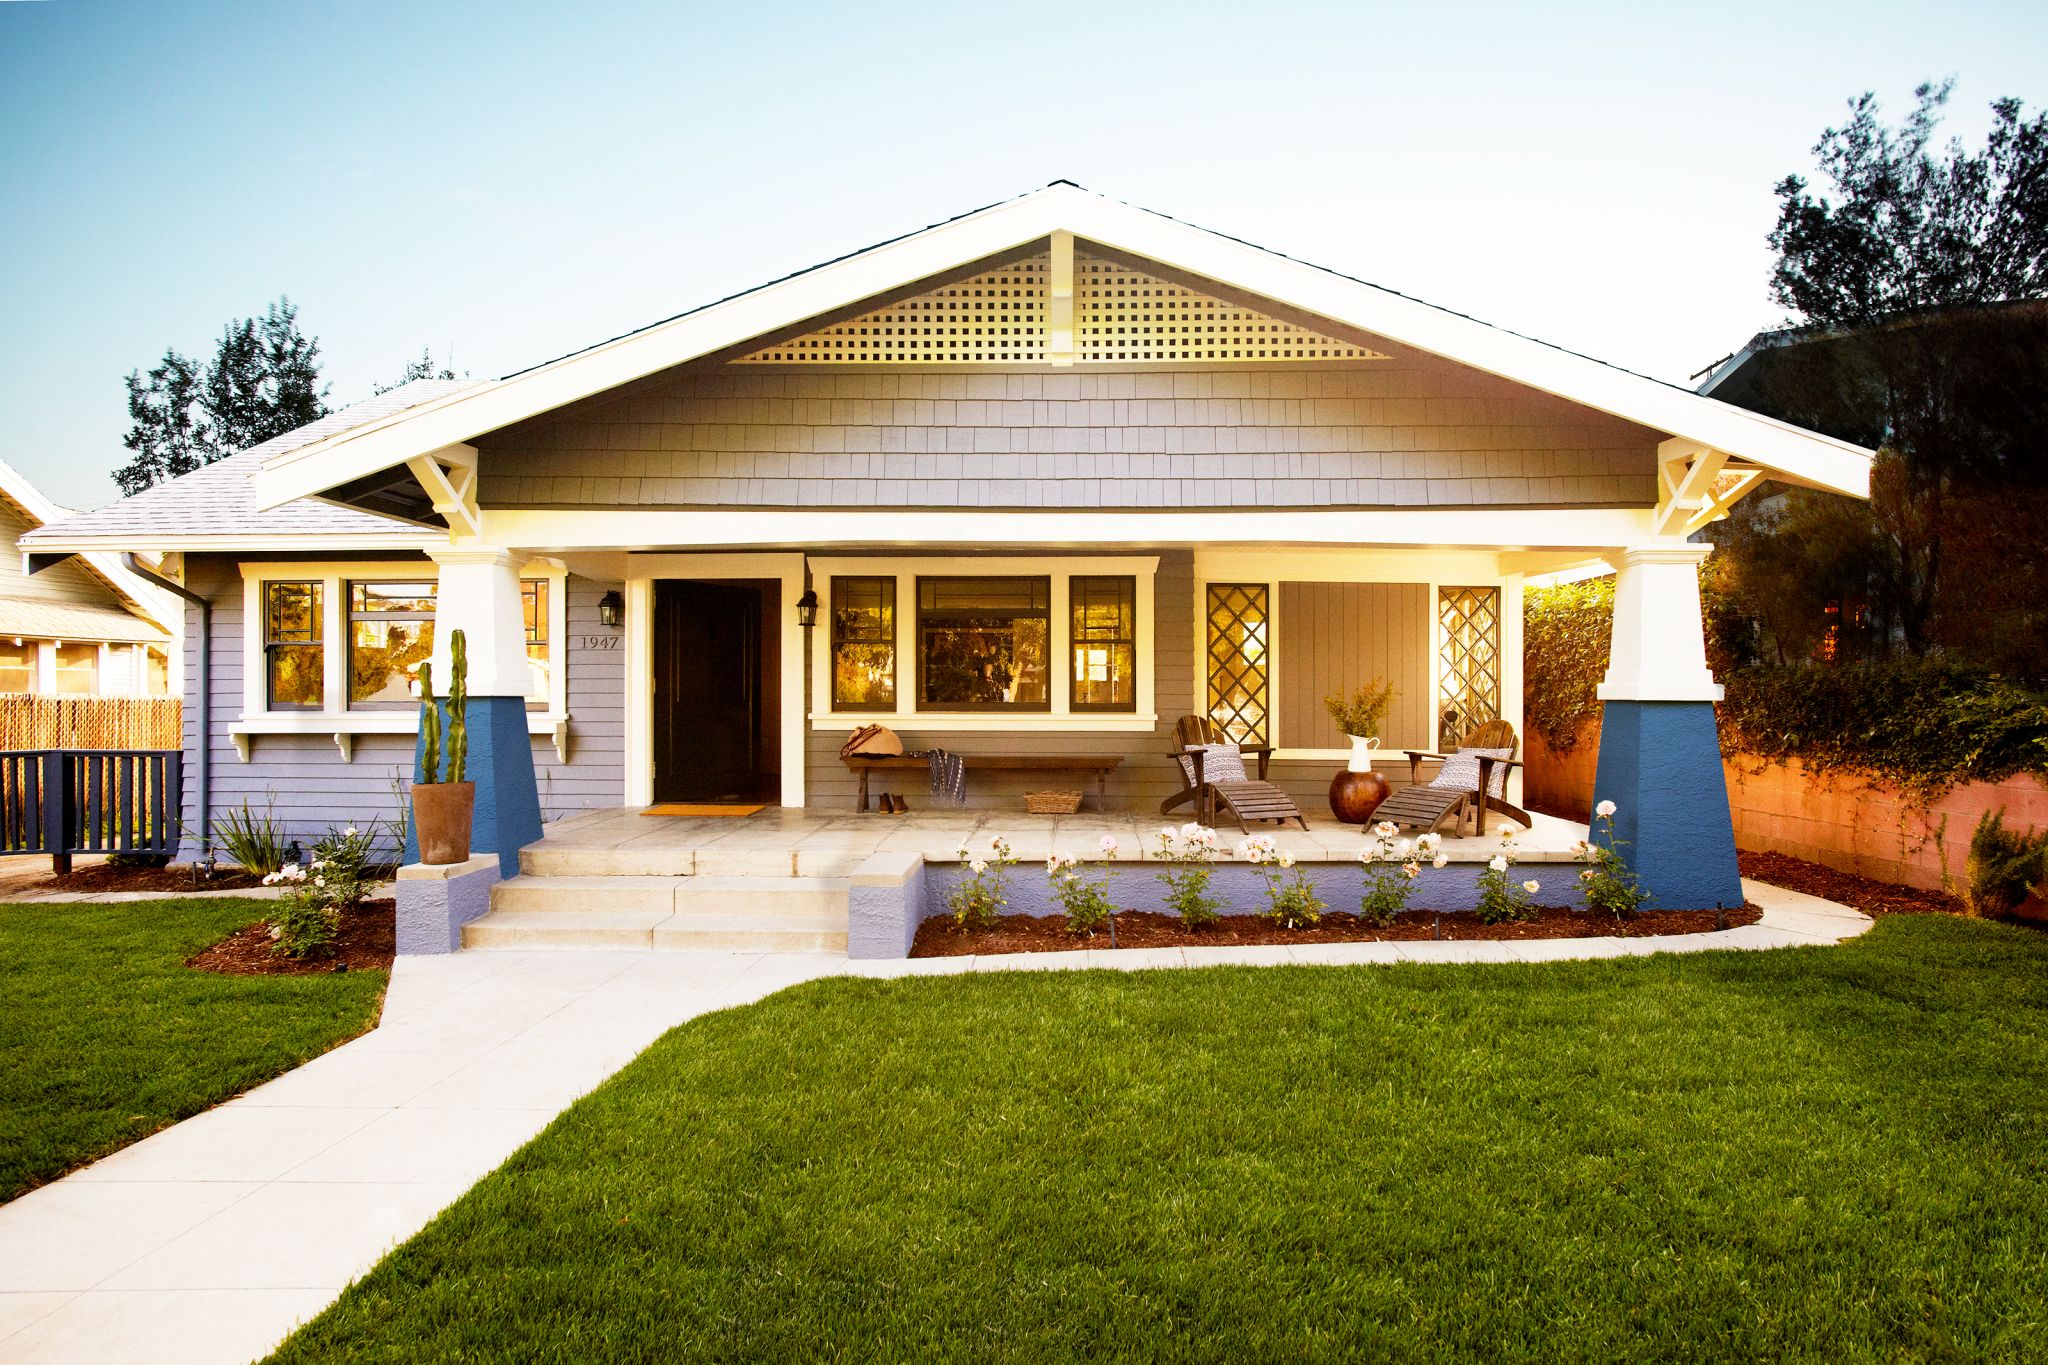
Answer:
(479, 595)
(1660, 755)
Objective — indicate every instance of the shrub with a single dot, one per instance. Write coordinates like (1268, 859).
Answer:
(1364, 709)
(1501, 898)
(1923, 725)
(255, 842)
(303, 921)
(1609, 882)
(340, 869)
(1084, 902)
(1391, 867)
(979, 902)
(1189, 850)
(1291, 901)
(1565, 635)
(2004, 866)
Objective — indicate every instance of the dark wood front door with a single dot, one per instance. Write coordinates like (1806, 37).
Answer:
(707, 692)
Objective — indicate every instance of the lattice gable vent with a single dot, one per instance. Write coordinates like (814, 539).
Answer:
(1121, 315)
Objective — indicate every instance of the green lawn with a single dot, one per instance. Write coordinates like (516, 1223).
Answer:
(1822, 1154)
(105, 1035)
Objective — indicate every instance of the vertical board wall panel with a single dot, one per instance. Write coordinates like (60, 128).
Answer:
(1335, 636)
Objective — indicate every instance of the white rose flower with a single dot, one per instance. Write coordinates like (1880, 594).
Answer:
(1439, 860)
(1498, 862)
(1386, 829)
(1401, 847)
(1604, 809)
(1532, 886)
(977, 867)
(1287, 860)
(1109, 845)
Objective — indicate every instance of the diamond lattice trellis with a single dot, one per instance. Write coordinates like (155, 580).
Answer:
(1238, 659)
(1468, 686)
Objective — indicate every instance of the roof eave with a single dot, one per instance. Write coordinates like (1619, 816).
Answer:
(462, 416)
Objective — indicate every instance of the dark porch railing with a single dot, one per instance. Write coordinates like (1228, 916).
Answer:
(68, 801)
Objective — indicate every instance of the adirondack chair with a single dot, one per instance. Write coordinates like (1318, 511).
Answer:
(1472, 780)
(1213, 767)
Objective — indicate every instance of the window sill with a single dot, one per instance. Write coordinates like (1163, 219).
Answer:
(346, 726)
(1021, 723)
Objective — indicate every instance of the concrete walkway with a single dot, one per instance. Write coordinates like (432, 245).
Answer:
(212, 1240)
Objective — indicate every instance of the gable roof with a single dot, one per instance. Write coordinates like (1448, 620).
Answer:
(217, 503)
(1787, 451)
(144, 601)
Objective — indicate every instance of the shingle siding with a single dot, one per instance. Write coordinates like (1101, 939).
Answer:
(305, 781)
(1406, 432)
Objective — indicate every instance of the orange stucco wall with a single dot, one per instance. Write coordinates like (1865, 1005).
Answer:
(1850, 823)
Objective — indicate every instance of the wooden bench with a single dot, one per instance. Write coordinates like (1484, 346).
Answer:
(1102, 765)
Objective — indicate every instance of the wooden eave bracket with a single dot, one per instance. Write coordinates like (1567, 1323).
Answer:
(448, 476)
(1696, 485)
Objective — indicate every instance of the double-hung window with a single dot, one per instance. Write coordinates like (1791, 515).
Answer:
(863, 644)
(1104, 639)
(533, 609)
(390, 634)
(294, 655)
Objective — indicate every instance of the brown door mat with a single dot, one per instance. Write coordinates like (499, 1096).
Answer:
(688, 808)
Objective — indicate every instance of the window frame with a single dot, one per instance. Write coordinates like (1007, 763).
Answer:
(1005, 708)
(354, 615)
(835, 639)
(1128, 583)
(316, 589)
(334, 716)
(1059, 716)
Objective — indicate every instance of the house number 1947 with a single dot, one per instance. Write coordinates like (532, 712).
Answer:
(601, 642)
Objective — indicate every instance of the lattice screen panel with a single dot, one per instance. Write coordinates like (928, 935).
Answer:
(1239, 659)
(995, 318)
(1468, 677)
(1123, 314)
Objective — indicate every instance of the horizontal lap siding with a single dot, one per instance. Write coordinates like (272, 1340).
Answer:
(1144, 778)
(310, 788)
(1411, 431)
(1337, 636)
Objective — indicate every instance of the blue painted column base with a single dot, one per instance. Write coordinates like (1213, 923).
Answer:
(501, 764)
(1660, 764)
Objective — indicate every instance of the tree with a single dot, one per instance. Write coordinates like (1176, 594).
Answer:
(423, 368)
(1915, 282)
(263, 381)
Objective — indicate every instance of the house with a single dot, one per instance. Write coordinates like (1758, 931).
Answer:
(1042, 478)
(88, 628)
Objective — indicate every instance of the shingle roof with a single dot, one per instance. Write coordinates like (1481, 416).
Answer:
(216, 500)
(73, 621)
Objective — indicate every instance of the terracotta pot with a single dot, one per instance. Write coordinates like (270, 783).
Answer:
(441, 819)
(1355, 796)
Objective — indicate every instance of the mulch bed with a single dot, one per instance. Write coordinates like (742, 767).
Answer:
(939, 937)
(174, 877)
(367, 939)
(1872, 897)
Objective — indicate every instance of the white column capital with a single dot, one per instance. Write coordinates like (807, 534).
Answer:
(479, 596)
(1659, 650)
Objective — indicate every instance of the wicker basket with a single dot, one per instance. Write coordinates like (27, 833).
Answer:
(1051, 803)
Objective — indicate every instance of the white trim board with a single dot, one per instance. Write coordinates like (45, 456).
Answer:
(1789, 451)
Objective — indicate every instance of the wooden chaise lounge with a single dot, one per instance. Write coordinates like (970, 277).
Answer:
(1213, 767)
(1472, 779)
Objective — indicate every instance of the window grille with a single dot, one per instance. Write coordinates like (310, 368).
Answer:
(1468, 680)
(1240, 659)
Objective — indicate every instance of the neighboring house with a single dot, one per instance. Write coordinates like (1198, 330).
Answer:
(86, 628)
(1057, 472)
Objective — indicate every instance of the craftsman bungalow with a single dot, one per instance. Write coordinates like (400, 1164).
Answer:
(1042, 479)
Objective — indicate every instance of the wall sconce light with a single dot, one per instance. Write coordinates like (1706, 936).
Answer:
(611, 609)
(807, 609)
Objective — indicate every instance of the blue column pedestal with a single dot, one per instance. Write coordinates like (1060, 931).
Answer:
(501, 764)
(1660, 764)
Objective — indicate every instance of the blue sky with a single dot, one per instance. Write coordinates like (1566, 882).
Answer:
(510, 181)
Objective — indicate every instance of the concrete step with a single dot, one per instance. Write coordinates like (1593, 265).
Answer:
(686, 895)
(803, 931)
(547, 859)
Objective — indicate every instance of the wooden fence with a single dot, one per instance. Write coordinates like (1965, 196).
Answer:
(64, 801)
(91, 722)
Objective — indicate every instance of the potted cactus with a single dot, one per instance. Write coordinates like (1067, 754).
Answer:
(441, 809)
